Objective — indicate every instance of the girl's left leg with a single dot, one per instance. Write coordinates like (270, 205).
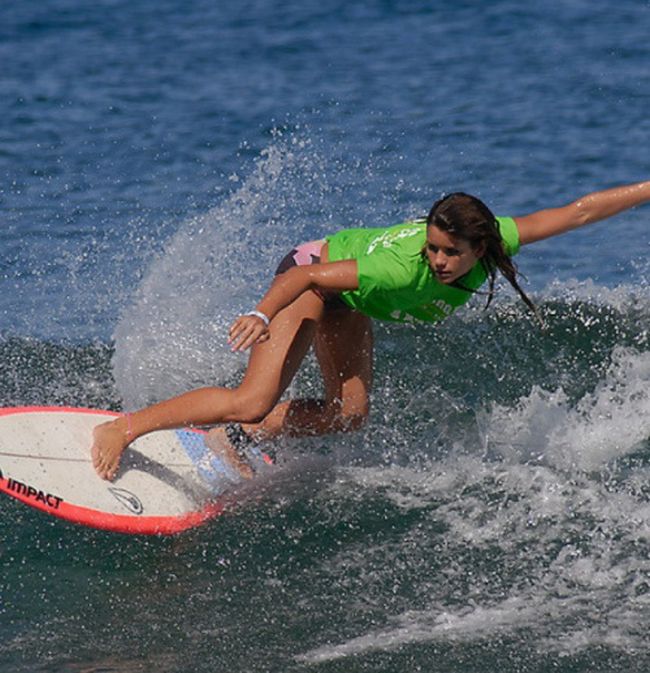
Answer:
(271, 367)
(344, 348)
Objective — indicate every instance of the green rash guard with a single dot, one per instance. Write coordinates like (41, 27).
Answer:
(395, 280)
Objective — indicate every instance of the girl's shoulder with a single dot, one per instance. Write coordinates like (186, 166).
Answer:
(363, 241)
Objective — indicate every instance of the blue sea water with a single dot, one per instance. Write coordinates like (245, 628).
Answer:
(158, 158)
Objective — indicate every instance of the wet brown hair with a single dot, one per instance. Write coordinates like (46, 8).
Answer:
(468, 218)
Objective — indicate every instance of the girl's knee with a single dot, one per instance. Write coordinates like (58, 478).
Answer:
(249, 408)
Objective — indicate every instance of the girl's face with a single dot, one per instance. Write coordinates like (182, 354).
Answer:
(450, 257)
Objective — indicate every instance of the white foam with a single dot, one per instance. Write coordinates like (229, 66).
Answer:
(606, 423)
(438, 624)
(621, 297)
(561, 617)
(580, 540)
(173, 336)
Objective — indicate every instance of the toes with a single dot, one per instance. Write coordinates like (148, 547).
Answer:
(102, 466)
(103, 462)
(111, 471)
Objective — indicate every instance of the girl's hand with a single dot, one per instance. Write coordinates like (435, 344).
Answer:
(246, 331)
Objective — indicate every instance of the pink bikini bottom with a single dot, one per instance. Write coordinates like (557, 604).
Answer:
(309, 253)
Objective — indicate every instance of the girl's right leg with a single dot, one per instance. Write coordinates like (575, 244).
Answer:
(271, 367)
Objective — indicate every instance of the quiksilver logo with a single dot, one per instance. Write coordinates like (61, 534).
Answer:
(127, 499)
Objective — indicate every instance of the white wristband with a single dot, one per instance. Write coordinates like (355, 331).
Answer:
(262, 316)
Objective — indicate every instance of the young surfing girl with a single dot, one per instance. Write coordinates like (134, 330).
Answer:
(325, 294)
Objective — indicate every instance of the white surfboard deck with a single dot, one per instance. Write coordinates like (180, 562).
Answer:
(168, 481)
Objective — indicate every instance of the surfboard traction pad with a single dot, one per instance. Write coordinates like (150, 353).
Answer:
(169, 481)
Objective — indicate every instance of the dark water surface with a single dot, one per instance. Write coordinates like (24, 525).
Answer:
(158, 158)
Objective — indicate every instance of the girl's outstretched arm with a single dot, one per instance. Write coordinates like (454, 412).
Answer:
(585, 210)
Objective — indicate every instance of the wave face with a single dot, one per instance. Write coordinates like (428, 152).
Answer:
(494, 510)
(493, 513)
(157, 159)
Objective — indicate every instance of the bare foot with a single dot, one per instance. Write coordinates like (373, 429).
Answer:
(109, 442)
(218, 442)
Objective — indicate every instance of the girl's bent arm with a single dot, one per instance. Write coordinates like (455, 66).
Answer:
(585, 210)
(286, 288)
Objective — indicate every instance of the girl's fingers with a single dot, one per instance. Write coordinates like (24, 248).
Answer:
(235, 329)
(239, 342)
(246, 331)
(239, 328)
(247, 341)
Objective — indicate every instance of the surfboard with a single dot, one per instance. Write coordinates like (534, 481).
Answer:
(168, 480)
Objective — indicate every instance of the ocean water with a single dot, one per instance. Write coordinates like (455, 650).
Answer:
(158, 158)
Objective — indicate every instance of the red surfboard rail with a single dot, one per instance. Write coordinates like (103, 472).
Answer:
(51, 504)
(118, 523)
